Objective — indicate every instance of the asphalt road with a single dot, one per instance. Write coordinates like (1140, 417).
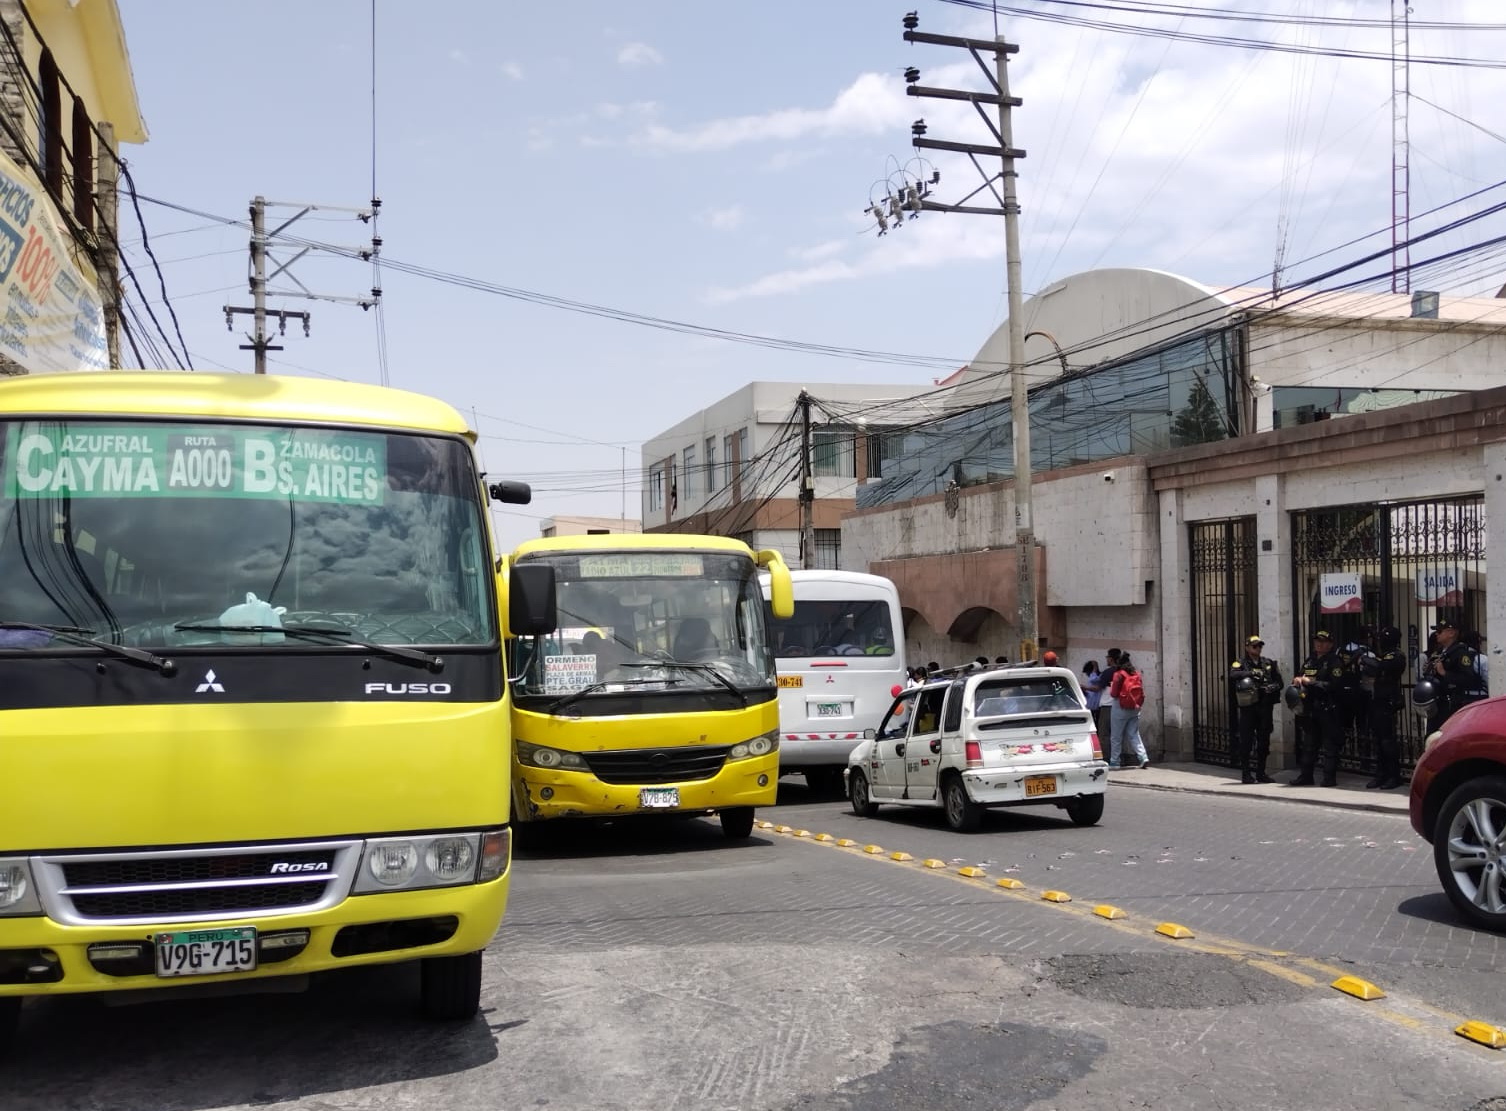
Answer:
(661, 967)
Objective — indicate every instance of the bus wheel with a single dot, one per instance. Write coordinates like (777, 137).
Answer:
(451, 987)
(737, 822)
(826, 782)
(10, 1020)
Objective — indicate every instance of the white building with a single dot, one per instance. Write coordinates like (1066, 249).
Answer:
(562, 525)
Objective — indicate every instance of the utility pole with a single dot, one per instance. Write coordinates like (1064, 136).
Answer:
(915, 199)
(807, 487)
(107, 186)
(261, 239)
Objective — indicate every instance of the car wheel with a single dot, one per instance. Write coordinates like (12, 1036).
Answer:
(1469, 850)
(737, 823)
(10, 1021)
(451, 987)
(962, 813)
(857, 794)
(826, 782)
(1085, 810)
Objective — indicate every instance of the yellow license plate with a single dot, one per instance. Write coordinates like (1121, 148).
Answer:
(792, 680)
(1039, 785)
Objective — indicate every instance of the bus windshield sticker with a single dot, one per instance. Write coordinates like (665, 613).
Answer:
(46, 460)
(626, 565)
(568, 674)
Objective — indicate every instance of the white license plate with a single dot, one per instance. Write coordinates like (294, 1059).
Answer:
(830, 709)
(658, 798)
(206, 952)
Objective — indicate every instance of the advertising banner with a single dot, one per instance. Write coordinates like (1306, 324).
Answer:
(50, 315)
(1340, 593)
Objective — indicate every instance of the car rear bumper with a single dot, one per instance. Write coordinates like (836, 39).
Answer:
(1008, 786)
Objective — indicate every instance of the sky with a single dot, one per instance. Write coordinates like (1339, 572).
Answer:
(711, 163)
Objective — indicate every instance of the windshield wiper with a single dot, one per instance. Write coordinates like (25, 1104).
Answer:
(700, 669)
(73, 635)
(414, 657)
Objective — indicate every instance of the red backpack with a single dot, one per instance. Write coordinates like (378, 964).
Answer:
(1131, 692)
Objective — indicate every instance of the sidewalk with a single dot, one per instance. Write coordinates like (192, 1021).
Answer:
(1204, 779)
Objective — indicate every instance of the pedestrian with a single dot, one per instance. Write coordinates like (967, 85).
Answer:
(1453, 668)
(932, 668)
(1093, 697)
(1255, 681)
(1105, 705)
(1380, 675)
(1476, 644)
(1128, 694)
(1323, 682)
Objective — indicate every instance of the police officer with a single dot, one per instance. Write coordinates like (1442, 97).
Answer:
(1255, 682)
(1357, 699)
(1324, 682)
(1380, 675)
(1453, 668)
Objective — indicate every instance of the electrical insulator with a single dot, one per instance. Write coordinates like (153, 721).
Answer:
(912, 75)
(912, 20)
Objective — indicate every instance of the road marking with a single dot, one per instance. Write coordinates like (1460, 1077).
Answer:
(1103, 910)
(1172, 930)
(1360, 989)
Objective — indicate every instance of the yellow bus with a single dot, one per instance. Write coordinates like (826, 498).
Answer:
(252, 698)
(656, 693)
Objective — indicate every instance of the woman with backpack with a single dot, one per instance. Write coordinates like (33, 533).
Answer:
(1127, 696)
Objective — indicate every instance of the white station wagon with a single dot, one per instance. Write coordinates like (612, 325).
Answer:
(1008, 736)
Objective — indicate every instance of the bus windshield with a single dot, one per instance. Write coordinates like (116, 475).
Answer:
(634, 621)
(830, 627)
(138, 531)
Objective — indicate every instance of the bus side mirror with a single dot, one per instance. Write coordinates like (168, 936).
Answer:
(511, 493)
(531, 600)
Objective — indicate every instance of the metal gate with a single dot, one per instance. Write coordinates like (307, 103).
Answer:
(1224, 612)
(1417, 562)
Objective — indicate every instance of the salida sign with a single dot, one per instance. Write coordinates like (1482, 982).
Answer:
(1340, 593)
(156, 461)
(1440, 586)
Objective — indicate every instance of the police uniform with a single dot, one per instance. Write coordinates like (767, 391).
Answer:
(1253, 722)
(1380, 675)
(1326, 682)
(1459, 682)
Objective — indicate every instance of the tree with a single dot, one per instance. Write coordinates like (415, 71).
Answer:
(1201, 422)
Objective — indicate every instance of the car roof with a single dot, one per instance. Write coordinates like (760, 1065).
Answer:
(1000, 671)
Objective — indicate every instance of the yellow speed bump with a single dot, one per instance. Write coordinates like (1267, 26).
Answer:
(844, 842)
(802, 833)
(900, 856)
(1360, 989)
(824, 837)
(764, 825)
(873, 850)
(1009, 883)
(1056, 896)
(1484, 1033)
(1171, 929)
(781, 829)
(971, 872)
(932, 862)
(1103, 910)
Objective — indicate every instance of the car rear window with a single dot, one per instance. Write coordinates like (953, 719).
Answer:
(1024, 696)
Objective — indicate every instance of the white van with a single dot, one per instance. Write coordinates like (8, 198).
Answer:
(1007, 736)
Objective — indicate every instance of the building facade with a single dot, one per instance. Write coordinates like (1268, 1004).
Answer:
(589, 526)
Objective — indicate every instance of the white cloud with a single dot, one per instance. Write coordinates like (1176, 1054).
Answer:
(512, 70)
(725, 219)
(639, 54)
(459, 57)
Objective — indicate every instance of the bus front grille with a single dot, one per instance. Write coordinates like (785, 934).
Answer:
(657, 765)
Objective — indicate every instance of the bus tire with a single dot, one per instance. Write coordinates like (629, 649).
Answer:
(10, 1022)
(737, 822)
(451, 987)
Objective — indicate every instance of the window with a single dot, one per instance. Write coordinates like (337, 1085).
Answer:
(692, 477)
(83, 166)
(674, 487)
(656, 487)
(712, 479)
(828, 549)
(831, 453)
(883, 446)
(50, 123)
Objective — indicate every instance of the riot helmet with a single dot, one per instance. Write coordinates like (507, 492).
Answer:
(1246, 691)
(1388, 637)
(1424, 693)
(1293, 696)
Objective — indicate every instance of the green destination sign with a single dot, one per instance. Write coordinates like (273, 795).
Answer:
(46, 460)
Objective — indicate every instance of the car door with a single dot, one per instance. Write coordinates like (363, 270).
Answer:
(923, 753)
(886, 767)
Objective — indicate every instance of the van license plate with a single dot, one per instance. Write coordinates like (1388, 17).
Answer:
(659, 798)
(829, 709)
(792, 680)
(1039, 785)
(206, 952)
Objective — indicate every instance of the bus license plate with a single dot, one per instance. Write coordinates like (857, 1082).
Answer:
(792, 680)
(1039, 785)
(206, 952)
(829, 709)
(658, 798)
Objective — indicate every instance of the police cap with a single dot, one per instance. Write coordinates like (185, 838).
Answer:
(1323, 634)
(1445, 624)
(1255, 639)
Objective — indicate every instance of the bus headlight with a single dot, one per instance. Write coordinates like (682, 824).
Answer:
(759, 746)
(451, 859)
(433, 860)
(18, 894)
(392, 863)
(537, 756)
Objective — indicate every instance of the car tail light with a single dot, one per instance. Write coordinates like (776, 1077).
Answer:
(974, 752)
(1097, 746)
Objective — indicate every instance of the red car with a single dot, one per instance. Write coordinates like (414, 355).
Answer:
(1458, 804)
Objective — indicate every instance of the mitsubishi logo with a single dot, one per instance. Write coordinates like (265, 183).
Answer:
(829, 679)
(210, 683)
